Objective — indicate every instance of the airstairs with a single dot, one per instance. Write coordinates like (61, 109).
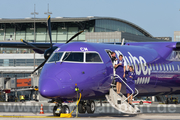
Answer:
(119, 101)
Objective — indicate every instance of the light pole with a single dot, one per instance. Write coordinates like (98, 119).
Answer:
(47, 13)
(34, 13)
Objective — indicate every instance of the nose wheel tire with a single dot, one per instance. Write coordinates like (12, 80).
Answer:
(57, 110)
(54, 111)
(81, 107)
(65, 109)
(90, 107)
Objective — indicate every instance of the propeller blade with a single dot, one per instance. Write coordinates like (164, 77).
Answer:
(49, 29)
(26, 43)
(74, 36)
(41, 65)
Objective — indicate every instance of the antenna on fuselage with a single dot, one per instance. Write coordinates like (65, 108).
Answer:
(122, 43)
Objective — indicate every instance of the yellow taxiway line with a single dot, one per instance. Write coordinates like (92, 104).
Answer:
(4, 116)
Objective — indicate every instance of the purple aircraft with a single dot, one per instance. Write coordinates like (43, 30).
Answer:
(88, 66)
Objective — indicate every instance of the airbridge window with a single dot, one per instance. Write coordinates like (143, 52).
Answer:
(73, 56)
(93, 57)
(55, 57)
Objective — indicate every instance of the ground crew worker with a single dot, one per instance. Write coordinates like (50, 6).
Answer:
(22, 98)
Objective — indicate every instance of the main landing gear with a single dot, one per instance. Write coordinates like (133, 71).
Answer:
(88, 106)
(83, 106)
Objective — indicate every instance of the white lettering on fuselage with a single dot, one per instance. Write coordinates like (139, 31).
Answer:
(83, 49)
(138, 63)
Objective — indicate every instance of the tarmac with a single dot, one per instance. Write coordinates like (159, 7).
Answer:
(101, 116)
(30, 111)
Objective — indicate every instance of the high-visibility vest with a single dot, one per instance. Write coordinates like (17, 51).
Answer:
(22, 97)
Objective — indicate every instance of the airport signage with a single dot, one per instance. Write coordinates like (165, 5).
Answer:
(1, 83)
(13, 83)
(25, 82)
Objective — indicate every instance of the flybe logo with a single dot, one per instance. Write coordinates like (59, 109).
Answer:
(139, 63)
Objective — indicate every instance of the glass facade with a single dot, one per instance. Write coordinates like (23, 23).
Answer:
(61, 31)
(20, 62)
(103, 25)
(19, 75)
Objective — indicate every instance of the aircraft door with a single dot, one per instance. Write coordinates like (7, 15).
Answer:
(113, 72)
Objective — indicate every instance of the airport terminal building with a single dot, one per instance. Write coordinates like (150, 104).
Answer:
(97, 29)
(20, 62)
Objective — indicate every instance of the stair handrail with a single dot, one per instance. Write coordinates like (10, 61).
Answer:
(137, 92)
(127, 86)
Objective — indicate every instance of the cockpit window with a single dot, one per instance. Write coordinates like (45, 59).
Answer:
(73, 56)
(55, 57)
(93, 57)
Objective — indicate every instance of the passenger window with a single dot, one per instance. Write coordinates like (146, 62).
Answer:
(73, 56)
(93, 57)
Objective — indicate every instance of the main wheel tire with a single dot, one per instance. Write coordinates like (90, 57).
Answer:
(90, 107)
(65, 109)
(54, 111)
(81, 107)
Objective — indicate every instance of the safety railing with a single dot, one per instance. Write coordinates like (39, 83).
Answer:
(117, 76)
(137, 92)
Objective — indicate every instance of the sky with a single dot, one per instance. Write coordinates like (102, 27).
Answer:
(158, 17)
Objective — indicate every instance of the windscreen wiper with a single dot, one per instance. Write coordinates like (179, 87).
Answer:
(66, 57)
(55, 58)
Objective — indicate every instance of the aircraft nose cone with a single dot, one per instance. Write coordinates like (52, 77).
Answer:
(49, 88)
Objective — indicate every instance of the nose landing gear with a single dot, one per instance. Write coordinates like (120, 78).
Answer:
(59, 108)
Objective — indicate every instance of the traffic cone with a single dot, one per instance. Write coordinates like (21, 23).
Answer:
(41, 111)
